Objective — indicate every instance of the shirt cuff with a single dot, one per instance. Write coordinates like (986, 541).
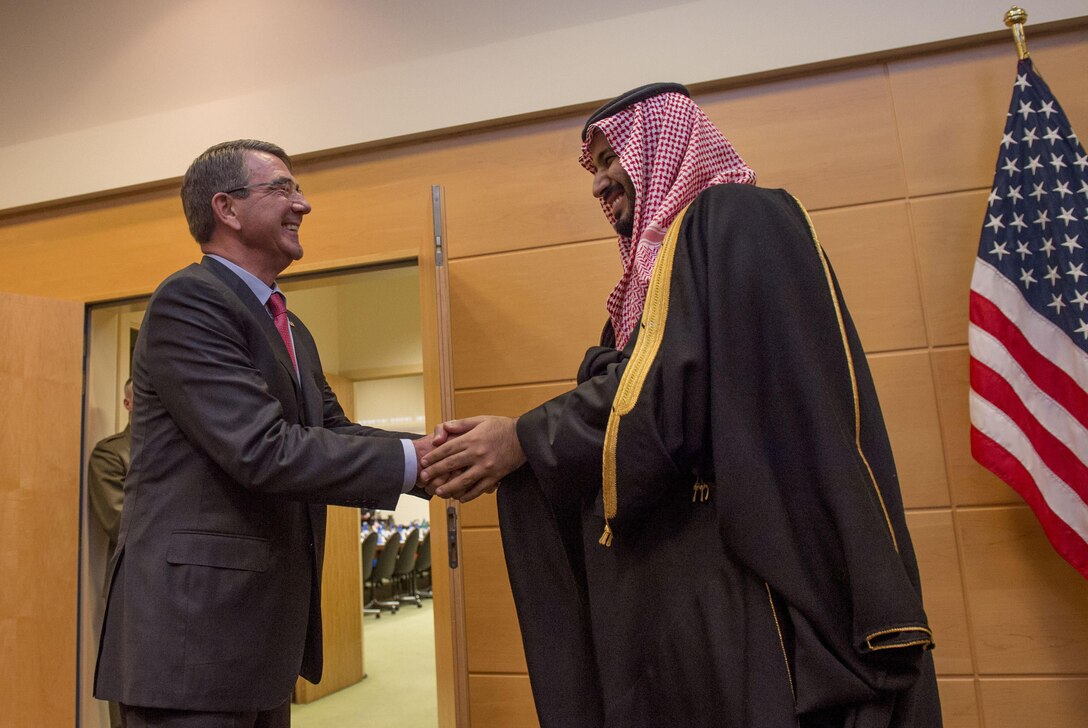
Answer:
(410, 466)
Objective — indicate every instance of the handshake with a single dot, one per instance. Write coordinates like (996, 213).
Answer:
(466, 458)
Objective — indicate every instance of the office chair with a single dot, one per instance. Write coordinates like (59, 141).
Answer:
(383, 573)
(369, 548)
(406, 565)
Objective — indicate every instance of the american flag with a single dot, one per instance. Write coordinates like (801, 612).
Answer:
(1029, 318)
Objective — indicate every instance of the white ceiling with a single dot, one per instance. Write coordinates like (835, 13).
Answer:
(70, 65)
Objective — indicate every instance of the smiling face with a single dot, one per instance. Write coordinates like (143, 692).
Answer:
(270, 216)
(612, 186)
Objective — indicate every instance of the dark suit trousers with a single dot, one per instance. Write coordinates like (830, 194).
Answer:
(136, 717)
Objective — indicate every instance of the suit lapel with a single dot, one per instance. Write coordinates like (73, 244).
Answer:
(264, 321)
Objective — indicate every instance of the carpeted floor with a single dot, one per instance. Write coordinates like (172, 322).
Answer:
(399, 689)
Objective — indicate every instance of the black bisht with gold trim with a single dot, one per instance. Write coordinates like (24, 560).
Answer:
(760, 572)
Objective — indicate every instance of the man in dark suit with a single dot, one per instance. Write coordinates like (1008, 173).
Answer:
(238, 443)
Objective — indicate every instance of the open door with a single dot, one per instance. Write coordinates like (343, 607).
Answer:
(449, 614)
(109, 338)
(348, 309)
(41, 385)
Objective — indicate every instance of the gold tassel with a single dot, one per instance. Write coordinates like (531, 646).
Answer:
(606, 537)
(700, 489)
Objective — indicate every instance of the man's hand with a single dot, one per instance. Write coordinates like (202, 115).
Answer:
(471, 455)
(423, 445)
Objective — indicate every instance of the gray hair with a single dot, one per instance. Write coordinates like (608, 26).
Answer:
(218, 169)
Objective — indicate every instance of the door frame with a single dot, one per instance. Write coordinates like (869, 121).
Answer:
(451, 640)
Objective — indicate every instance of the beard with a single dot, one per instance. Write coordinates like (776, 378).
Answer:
(625, 224)
(625, 227)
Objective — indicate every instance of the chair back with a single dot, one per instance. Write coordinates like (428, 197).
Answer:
(369, 547)
(423, 559)
(387, 560)
(407, 560)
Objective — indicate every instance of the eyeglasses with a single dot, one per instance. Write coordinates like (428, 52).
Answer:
(283, 187)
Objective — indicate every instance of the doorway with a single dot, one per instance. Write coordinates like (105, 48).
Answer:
(367, 324)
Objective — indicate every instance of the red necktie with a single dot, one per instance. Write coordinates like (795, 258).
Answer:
(278, 306)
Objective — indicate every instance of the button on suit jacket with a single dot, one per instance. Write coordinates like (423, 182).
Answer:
(214, 602)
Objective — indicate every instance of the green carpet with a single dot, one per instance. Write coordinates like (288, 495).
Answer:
(399, 687)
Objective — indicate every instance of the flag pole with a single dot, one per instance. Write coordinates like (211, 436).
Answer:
(1015, 19)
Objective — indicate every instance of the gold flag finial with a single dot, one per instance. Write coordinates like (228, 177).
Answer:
(1015, 19)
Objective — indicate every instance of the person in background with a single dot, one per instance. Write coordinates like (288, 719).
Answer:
(106, 475)
(106, 489)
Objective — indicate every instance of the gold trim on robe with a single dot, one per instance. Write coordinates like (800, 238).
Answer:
(651, 331)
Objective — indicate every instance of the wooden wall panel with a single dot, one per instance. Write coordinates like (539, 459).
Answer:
(1027, 606)
(1033, 701)
(934, 539)
(367, 209)
(494, 638)
(970, 483)
(341, 608)
(904, 385)
(101, 251)
(952, 111)
(112, 249)
(508, 401)
(959, 703)
(830, 139)
(481, 512)
(96, 250)
(519, 188)
(947, 229)
(42, 385)
(10, 438)
(951, 107)
(872, 254)
(528, 316)
(501, 701)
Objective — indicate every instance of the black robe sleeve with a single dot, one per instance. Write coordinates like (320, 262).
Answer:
(540, 512)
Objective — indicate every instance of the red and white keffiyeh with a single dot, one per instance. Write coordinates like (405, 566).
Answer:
(672, 152)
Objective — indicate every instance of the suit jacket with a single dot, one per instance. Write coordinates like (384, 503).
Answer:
(214, 602)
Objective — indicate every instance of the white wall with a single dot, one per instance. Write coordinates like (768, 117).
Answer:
(318, 305)
(113, 93)
(380, 324)
(395, 404)
(391, 404)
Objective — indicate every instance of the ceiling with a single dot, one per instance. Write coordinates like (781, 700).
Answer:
(72, 65)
